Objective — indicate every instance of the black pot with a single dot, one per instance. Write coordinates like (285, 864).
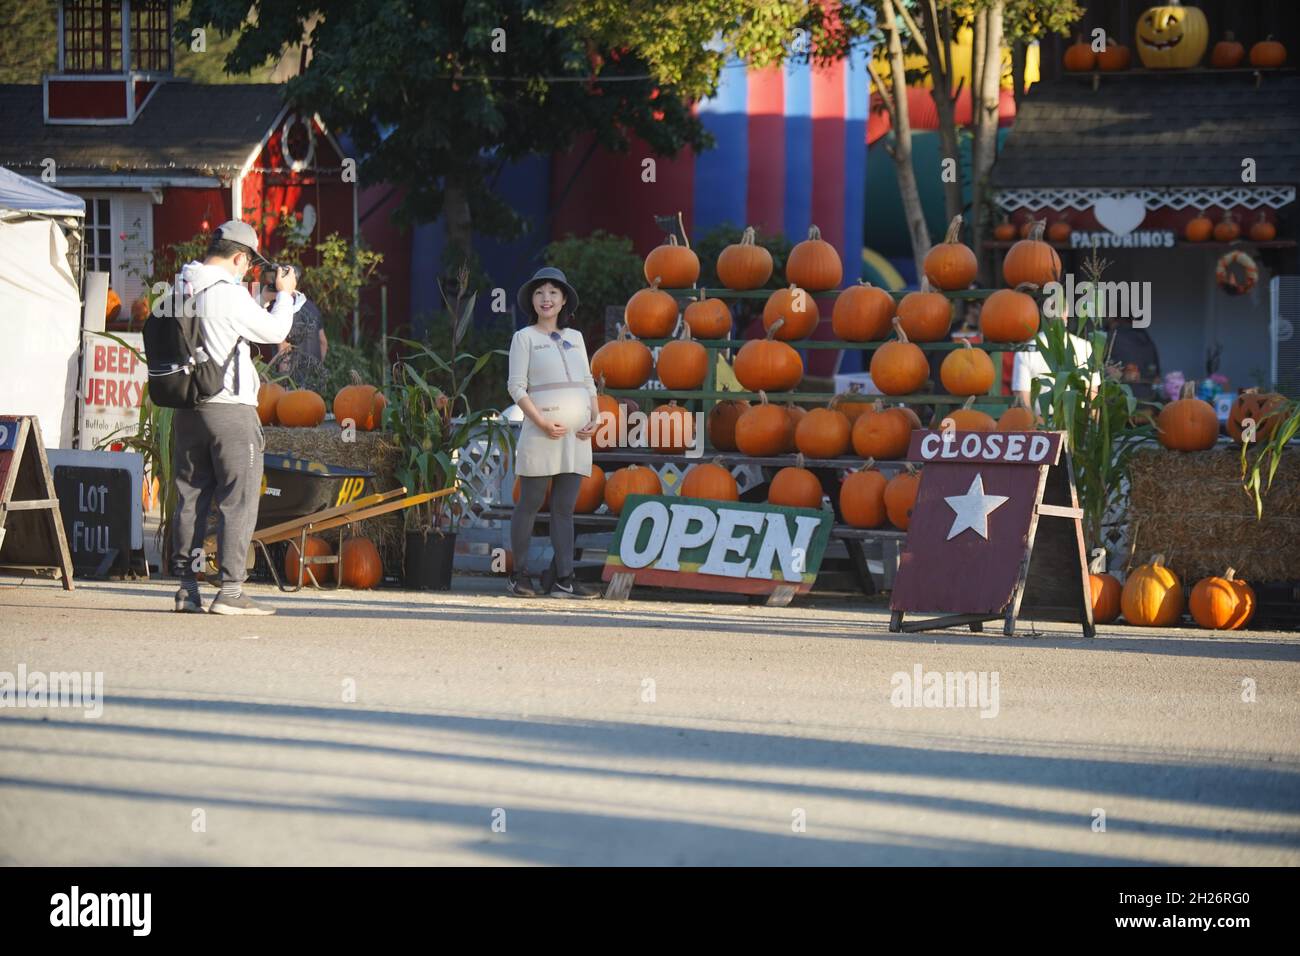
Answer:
(429, 560)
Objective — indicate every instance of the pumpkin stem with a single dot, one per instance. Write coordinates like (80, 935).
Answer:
(877, 406)
(1098, 565)
(966, 342)
(868, 464)
(798, 460)
(1037, 229)
(682, 226)
(1189, 390)
(954, 230)
(925, 284)
(771, 333)
(762, 396)
(654, 283)
(898, 327)
(1028, 288)
(356, 377)
(1158, 560)
(747, 238)
(1230, 574)
(969, 402)
(814, 232)
(717, 460)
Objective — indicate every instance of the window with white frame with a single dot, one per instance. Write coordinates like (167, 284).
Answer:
(119, 239)
(99, 234)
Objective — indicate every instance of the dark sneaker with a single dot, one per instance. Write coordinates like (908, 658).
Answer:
(239, 605)
(186, 604)
(520, 585)
(571, 587)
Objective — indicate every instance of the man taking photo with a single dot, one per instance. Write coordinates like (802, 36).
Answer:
(218, 444)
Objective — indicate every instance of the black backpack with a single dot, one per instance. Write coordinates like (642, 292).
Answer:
(181, 372)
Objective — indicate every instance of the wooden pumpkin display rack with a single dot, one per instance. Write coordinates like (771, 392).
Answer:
(704, 398)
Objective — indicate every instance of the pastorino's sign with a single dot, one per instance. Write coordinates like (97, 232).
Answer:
(716, 546)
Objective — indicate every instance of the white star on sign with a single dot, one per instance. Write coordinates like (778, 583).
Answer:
(973, 509)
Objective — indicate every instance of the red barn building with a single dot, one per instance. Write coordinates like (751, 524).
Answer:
(159, 159)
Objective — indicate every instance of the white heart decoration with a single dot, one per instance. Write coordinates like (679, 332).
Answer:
(1120, 216)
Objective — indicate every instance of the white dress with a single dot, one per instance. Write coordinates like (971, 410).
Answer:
(558, 380)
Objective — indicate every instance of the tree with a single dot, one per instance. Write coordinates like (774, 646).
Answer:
(439, 97)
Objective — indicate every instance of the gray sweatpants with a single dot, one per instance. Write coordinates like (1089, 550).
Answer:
(532, 492)
(217, 458)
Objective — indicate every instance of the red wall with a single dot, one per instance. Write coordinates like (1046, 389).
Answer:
(88, 99)
(183, 212)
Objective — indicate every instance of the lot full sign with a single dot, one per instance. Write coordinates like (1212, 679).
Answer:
(729, 546)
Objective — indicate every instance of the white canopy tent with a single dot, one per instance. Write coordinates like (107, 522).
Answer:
(40, 306)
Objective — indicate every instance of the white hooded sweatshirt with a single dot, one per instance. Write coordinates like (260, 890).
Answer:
(227, 313)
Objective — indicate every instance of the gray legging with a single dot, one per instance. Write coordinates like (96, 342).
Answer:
(532, 492)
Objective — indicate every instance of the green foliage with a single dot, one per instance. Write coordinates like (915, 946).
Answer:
(337, 279)
(434, 109)
(342, 359)
(1027, 20)
(605, 270)
(1258, 471)
(430, 417)
(710, 245)
(29, 40)
(1099, 421)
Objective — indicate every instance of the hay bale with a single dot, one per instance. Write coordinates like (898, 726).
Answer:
(1191, 506)
(371, 451)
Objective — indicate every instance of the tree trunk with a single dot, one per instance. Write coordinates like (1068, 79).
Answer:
(459, 229)
(901, 150)
(1019, 57)
(984, 114)
(941, 73)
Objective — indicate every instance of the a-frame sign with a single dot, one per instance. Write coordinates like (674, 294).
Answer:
(31, 529)
(976, 549)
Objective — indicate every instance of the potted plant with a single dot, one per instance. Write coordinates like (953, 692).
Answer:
(430, 418)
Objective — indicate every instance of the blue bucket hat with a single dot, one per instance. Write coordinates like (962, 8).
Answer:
(555, 277)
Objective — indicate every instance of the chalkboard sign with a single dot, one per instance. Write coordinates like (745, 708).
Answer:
(96, 505)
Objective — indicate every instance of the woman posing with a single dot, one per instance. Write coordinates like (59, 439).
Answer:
(550, 380)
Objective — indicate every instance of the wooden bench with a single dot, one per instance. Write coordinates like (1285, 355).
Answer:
(341, 517)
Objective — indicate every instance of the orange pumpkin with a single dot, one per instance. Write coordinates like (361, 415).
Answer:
(899, 368)
(624, 363)
(301, 408)
(1227, 53)
(849, 405)
(1265, 409)
(795, 487)
(1116, 56)
(967, 371)
(796, 307)
(1268, 53)
(363, 404)
(763, 430)
(862, 498)
(768, 365)
(708, 318)
(1188, 424)
(683, 364)
(317, 574)
(113, 306)
(1226, 229)
(632, 480)
(711, 481)
(1079, 56)
(651, 313)
(360, 564)
(268, 396)
(900, 497)
(1199, 229)
(823, 433)
(1103, 589)
(612, 412)
(745, 264)
(967, 419)
(1031, 260)
(862, 313)
(926, 316)
(722, 420)
(1009, 315)
(140, 311)
(674, 266)
(1261, 230)
(1222, 603)
(884, 433)
(951, 264)
(591, 493)
(1019, 417)
(814, 264)
(1004, 231)
(671, 428)
(796, 415)
(1059, 231)
(1152, 595)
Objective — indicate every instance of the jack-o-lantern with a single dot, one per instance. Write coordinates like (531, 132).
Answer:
(1171, 36)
